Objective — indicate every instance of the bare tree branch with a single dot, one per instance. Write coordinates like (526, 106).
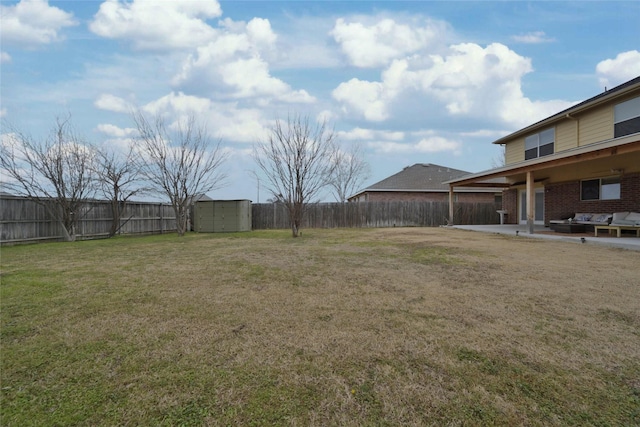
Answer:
(56, 172)
(181, 165)
(499, 160)
(350, 172)
(296, 161)
(119, 179)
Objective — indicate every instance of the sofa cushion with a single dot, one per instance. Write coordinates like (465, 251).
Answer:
(583, 217)
(601, 218)
(619, 215)
(633, 216)
(626, 218)
(625, 222)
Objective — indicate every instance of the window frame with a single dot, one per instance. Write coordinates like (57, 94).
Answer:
(595, 192)
(541, 143)
(629, 122)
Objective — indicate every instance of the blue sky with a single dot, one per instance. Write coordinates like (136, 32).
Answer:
(411, 82)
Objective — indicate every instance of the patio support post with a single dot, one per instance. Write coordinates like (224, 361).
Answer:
(531, 202)
(450, 204)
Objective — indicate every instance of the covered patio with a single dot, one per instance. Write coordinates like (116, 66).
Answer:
(550, 188)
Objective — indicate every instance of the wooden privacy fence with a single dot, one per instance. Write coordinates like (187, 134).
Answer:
(23, 220)
(376, 214)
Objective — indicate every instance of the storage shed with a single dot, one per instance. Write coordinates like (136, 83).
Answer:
(222, 216)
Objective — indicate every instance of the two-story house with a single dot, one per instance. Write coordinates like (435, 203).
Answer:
(583, 159)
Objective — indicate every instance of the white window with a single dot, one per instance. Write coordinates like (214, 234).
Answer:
(539, 144)
(626, 118)
(600, 189)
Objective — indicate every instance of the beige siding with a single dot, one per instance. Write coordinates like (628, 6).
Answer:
(514, 151)
(566, 135)
(579, 130)
(596, 126)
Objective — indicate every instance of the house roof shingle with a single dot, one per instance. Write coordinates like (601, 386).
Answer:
(419, 177)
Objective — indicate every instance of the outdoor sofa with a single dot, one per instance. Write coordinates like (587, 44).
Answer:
(589, 220)
(621, 221)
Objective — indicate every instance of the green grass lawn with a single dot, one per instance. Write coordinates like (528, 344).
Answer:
(338, 327)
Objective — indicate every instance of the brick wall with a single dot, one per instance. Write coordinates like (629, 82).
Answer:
(429, 197)
(563, 199)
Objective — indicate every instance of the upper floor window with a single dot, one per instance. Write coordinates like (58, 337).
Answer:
(540, 144)
(626, 118)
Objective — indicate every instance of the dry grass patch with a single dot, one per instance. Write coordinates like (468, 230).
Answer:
(339, 327)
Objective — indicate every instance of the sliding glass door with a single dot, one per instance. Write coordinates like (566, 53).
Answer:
(539, 208)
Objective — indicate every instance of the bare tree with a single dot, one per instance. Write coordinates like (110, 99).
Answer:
(297, 162)
(500, 159)
(119, 180)
(181, 165)
(351, 170)
(55, 172)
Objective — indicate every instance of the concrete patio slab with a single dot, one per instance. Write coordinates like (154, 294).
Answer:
(540, 232)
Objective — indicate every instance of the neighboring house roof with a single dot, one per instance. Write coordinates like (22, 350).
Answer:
(605, 96)
(421, 177)
(199, 198)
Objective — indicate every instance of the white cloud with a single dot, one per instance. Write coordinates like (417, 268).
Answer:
(178, 103)
(232, 65)
(260, 33)
(113, 103)
(5, 58)
(364, 97)
(436, 144)
(157, 25)
(115, 131)
(250, 77)
(325, 116)
(432, 144)
(624, 67)
(30, 23)
(3, 112)
(361, 134)
(378, 44)
(222, 120)
(486, 133)
(470, 81)
(534, 37)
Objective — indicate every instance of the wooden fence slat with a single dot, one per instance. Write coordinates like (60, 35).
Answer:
(23, 220)
(375, 214)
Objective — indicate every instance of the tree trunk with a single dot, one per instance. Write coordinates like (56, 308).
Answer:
(181, 219)
(115, 221)
(67, 233)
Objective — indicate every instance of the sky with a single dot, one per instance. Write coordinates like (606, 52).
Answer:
(410, 82)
